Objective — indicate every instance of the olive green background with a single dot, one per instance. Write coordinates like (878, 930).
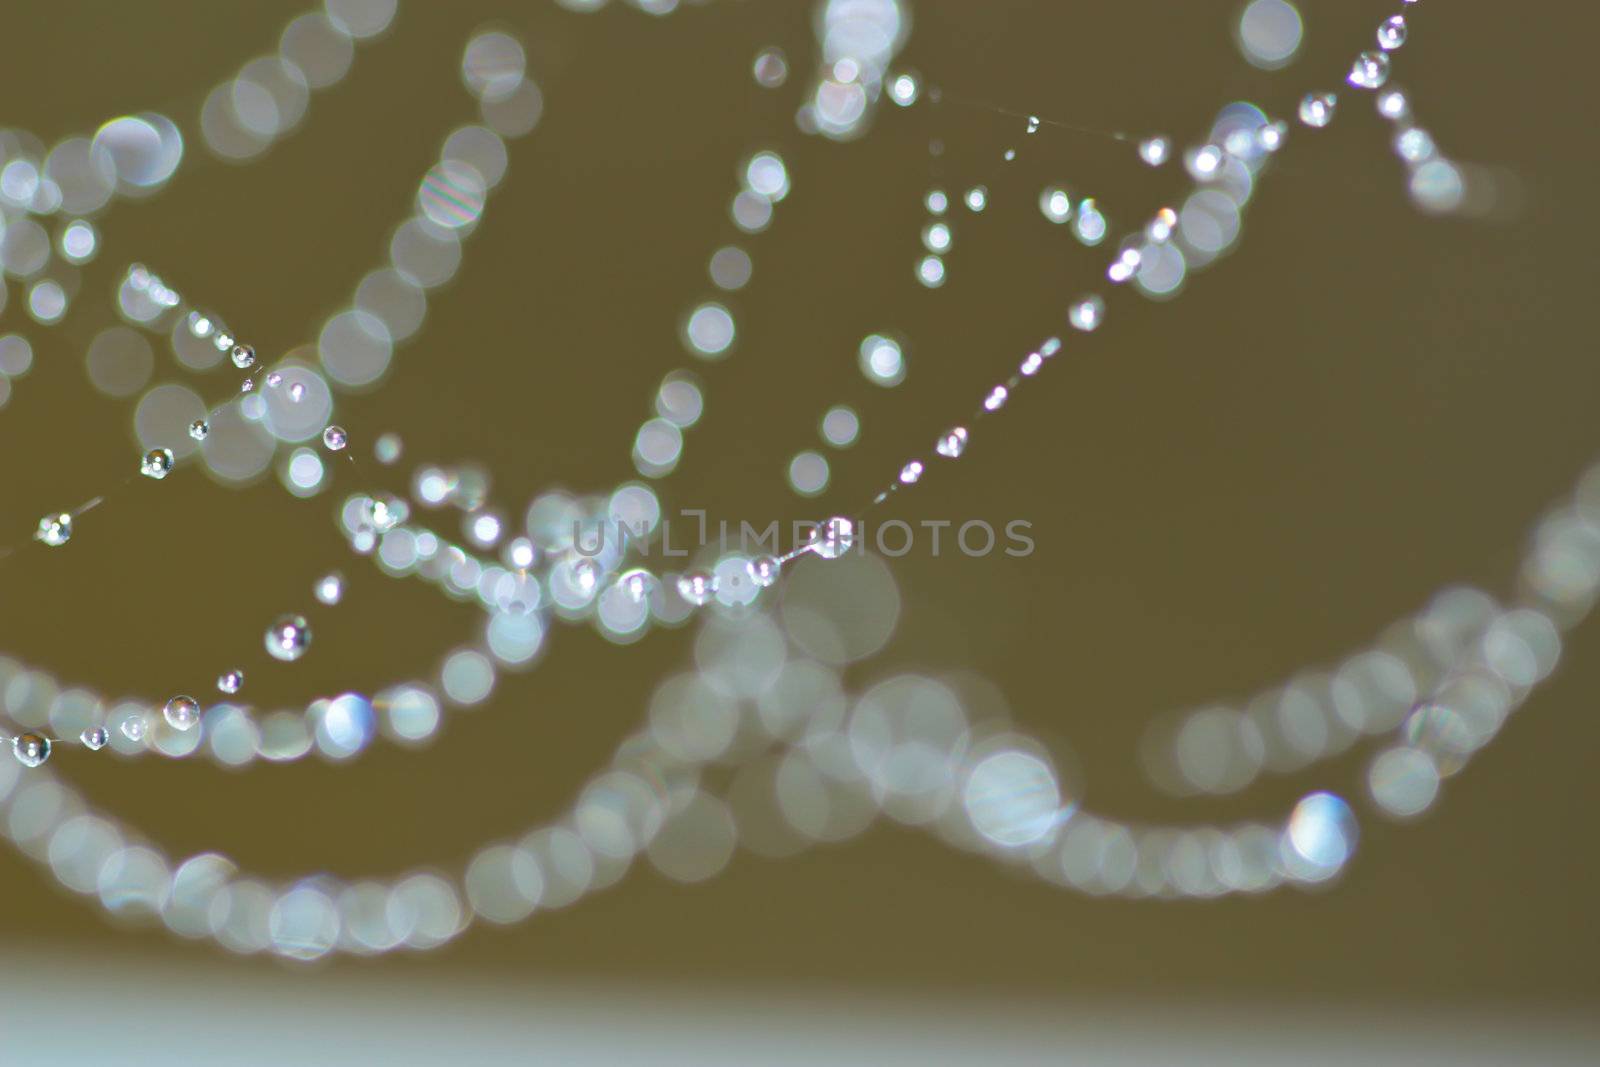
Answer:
(1359, 406)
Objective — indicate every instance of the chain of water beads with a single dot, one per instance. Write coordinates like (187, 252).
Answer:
(1310, 844)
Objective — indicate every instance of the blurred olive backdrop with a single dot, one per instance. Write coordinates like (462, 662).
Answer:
(1359, 406)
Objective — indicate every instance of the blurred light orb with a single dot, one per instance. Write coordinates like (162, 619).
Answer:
(1322, 832)
(1269, 33)
(1012, 798)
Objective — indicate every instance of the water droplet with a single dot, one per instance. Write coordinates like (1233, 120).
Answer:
(334, 438)
(199, 325)
(244, 356)
(1392, 34)
(94, 738)
(771, 69)
(297, 392)
(330, 588)
(834, 539)
(385, 515)
(637, 584)
(133, 729)
(953, 443)
(996, 398)
(199, 428)
(1370, 70)
(1086, 314)
(977, 198)
(54, 530)
(157, 463)
(697, 587)
(247, 386)
(586, 574)
(1091, 227)
(230, 682)
(764, 570)
(1010, 154)
(288, 637)
(222, 340)
(274, 379)
(1316, 109)
(30, 749)
(1055, 204)
(1393, 105)
(1155, 150)
(182, 712)
(911, 472)
(936, 201)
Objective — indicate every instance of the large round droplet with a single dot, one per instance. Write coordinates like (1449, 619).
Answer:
(334, 438)
(288, 637)
(30, 749)
(182, 712)
(157, 463)
(244, 356)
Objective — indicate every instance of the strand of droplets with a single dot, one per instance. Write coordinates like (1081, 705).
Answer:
(553, 864)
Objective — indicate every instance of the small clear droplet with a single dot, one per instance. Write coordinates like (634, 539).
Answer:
(1155, 150)
(247, 386)
(199, 428)
(1370, 70)
(334, 438)
(911, 472)
(54, 530)
(297, 392)
(230, 682)
(996, 399)
(30, 749)
(1392, 34)
(764, 571)
(586, 574)
(222, 340)
(199, 325)
(330, 588)
(133, 729)
(1316, 109)
(182, 712)
(770, 69)
(94, 738)
(697, 587)
(1393, 105)
(274, 379)
(157, 463)
(1086, 314)
(1033, 123)
(953, 443)
(244, 356)
(835, 538)
(977, 198)
(637, 585)
(288, 637)
(385, 515)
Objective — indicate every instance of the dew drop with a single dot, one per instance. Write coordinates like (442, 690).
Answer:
(764, 571)
(586, 573)
(1392, 34)
(697, 587)
(1370, 70)
(834, 539)
(1393, 105)
(157, 463)
(384, 515)
(911, 472)
(54, 530)
(637, 584)
(1086, 314)
(182, 712)
(230, 682)
(247, 386)
(94, 738)
(222, 340)
(1316, 109)
(199, 428)
(1155, 150)
(244, 356)
(1033, 123)
(330, 588)
(133, 729)
(996, 398)
(334, 438)
(274, 379)
(288, 637)
(297, 392)
(953, 443)
(30, 749)
(977, 198)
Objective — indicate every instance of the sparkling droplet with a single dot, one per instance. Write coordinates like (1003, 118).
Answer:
(133, 729)
(1393, 105)
(288, 637)
(247, 386)
(697, 587)
(1055, 204)
(94, 738)
(297, 392)
(274, 379)
(334, 438)
(1370, 70)
(54, 530)
(1033, 123)
(199, 428)
(385, 515)
(953, 443)
(30, 749)
(764, 571)
(230, 682)
(1086, 314)
(586, 574)
(835, 538)
(977, 198)
(199, 325)
(1392, 34)
(244, 356)
(330, 588)
(182, 712)
(1155, 150)
(637, 585)
(996, 398)
(157, 463)
(911, 472)
(222, 340)
(1316, 109)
